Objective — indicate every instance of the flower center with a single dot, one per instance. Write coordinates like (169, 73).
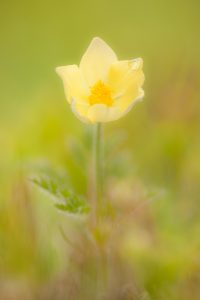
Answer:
(100, 94)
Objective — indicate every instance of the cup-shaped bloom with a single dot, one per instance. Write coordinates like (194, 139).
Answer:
(102, 88)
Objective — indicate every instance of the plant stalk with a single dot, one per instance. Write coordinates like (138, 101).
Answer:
(98, 169)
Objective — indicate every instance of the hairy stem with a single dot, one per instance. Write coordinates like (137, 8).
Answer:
(98, 169)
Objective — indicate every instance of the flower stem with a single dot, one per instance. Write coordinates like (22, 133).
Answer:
(98, 169)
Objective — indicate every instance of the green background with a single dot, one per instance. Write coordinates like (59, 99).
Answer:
(162, 133)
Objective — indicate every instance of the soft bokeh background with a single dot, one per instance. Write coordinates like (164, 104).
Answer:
(161, 134)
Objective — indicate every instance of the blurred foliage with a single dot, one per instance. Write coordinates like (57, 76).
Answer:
(152, 155)
(57, 187)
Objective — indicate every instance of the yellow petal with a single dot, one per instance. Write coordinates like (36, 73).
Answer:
(127, 106)
(125, 80)
(114, 113)
(80, 110)
(122, 72)
(98, 113)
(102, 113)
(96, 61)
(131, 95)
(74, 83)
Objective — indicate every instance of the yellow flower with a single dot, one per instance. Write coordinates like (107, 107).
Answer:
(102, 88)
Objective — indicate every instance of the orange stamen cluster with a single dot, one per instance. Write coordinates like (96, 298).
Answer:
(100, 94)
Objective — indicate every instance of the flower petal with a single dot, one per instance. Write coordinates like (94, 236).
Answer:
(126, 108)
(74, 83)
(80, 110)
(114, 113)
(122, 72)
(96, 61)
(125, 80)
(102, 113)
(98, 113)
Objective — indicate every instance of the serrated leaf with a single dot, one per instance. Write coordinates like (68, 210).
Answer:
(65, 199)
(74, 207)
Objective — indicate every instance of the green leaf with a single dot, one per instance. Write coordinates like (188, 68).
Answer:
(64, 198)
